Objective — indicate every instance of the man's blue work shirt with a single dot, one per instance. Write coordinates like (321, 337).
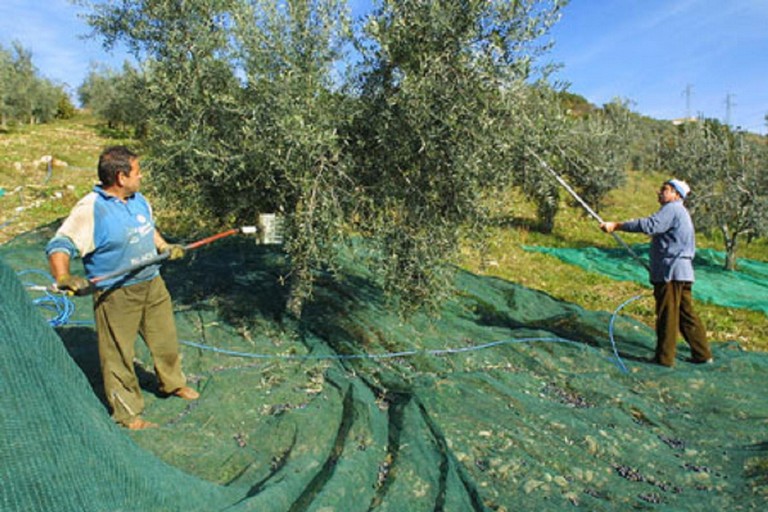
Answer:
(673, 243)
(109, 234)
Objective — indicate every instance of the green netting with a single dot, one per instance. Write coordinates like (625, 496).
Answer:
(510, 400)
(744, 288)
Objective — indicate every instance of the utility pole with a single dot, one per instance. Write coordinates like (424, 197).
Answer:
(729, 104)
(687, 93)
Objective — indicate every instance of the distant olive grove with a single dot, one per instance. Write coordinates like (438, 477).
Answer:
(26, 97)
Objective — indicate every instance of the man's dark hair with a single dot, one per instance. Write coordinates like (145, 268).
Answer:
(113, 161)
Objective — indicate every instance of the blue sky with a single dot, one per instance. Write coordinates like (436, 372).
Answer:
(648, 52)
(651, 51)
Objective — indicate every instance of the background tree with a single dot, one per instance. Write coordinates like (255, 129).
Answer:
(596, 151)
(439, 86)
(21, 96)
(45, 101)
(6, 71)
(726, 171)
(645, 142)
(25, 97)
(117, 98)
(537, 142)
(98, 93)
(588, 148)
(64, 107)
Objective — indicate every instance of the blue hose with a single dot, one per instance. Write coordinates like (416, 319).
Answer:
(63, 308)
(387, 355)
(619, 362)
(59, 305)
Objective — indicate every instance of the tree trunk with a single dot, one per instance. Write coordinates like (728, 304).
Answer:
(300, 289)
(730, 253)
(295, 304)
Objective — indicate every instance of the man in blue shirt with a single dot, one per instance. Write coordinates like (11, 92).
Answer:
(112, 228)
(673, 245)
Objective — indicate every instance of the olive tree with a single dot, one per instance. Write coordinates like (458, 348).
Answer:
(25, 97)
(118, 98)
(597, 151)
(589, 150)
(248, 113)
(535, 143)
(438, 88)
(726, 171)
(98, 92)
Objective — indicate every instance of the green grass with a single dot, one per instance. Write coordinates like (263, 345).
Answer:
(33, 195)
(78, 142)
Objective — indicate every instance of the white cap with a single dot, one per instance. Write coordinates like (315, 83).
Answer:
(682, 187)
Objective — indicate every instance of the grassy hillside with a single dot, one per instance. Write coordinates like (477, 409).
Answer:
(35, 195)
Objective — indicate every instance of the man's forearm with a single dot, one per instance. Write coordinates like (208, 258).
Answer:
(59, 264)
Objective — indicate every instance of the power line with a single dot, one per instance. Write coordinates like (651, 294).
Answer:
(729, 104)
(687, 93)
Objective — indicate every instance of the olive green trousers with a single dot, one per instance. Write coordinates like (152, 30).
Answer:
(121, 314)
(674, 313)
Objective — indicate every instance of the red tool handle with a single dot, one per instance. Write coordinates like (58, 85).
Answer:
(164, 256)
(212, 238)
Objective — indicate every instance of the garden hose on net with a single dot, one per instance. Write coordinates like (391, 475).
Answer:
(62, 307)
(271, 232)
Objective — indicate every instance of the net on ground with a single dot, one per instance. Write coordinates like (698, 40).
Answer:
(744, 288)
(509, 400)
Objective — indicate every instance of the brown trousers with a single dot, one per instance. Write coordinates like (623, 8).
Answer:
(674, 313)
(120, 314)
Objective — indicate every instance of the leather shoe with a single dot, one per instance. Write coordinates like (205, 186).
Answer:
(187, 393)
(700, 361)
(139, 423)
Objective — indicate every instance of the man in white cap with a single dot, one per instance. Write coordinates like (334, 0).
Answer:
(673, 245)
